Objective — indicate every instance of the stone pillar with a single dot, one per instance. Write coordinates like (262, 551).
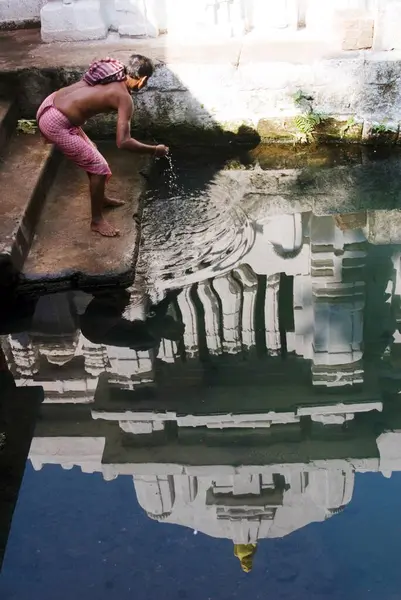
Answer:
(250, 286)
(188, 312)
(73, 20)
(300, 341)
(338, 296)
(273, 344)
(230, 294)
(212, 316)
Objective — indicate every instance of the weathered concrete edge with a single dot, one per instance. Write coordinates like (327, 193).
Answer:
(17, 249)
(72, 279)
(25, 230)
(14, 253)
(13, 25)
(7, 125)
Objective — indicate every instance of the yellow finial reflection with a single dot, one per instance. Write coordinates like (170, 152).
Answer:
(245, 554)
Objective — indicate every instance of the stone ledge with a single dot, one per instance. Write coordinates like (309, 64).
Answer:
(58, 258)
(25, 176)
(241, 93)
(22, 24)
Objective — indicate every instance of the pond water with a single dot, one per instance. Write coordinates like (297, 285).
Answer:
(230, 426)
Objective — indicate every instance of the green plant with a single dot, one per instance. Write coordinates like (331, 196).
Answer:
(27, 126)
(306, 125)
(308, 120)
(380, 128)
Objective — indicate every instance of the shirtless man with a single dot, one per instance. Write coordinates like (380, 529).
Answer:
(106, 86)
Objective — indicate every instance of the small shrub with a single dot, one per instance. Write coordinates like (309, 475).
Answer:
(27, 126)
(308, 120)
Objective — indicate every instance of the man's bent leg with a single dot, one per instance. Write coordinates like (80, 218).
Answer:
(97, 184)
(109, 202)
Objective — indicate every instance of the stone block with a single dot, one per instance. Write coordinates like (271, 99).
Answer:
(81, 20)
(336, 130)
(354, 28)
(384, 227)
(20, 11)
(280, 130)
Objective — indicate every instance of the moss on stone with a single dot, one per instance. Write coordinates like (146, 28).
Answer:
(174, 134)
(339, 130)
(277, 130)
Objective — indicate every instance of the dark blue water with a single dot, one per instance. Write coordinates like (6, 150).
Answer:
(74, 534)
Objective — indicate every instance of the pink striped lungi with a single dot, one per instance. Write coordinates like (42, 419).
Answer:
(72, 140)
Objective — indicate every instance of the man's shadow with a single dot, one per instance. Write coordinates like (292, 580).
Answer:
(103, 322)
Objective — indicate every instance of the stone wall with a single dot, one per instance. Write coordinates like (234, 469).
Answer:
(357, 97)
(18, 12)
(248, 86)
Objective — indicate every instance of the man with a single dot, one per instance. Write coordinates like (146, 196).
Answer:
(106, 86)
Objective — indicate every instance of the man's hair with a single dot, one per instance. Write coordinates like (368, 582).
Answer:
(140, 66)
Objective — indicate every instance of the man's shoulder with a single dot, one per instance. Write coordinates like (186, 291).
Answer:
(117, 91)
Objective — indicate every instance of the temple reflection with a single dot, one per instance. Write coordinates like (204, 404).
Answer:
(242, 404)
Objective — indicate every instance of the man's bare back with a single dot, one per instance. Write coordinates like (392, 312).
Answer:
(85, 99)
(79, 101)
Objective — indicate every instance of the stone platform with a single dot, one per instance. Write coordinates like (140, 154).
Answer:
(65, 248)
(45, 239)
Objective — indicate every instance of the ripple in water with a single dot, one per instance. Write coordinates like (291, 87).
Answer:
(194, 235)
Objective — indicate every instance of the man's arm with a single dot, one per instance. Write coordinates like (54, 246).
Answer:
(124, 139)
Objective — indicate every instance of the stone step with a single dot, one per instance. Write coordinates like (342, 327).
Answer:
(26, 171)
(8, 121)
(65, 252)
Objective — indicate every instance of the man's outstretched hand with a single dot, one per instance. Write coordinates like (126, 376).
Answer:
(161, 150)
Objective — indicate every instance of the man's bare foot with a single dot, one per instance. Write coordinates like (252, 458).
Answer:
(112, 202)
(104, 228)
